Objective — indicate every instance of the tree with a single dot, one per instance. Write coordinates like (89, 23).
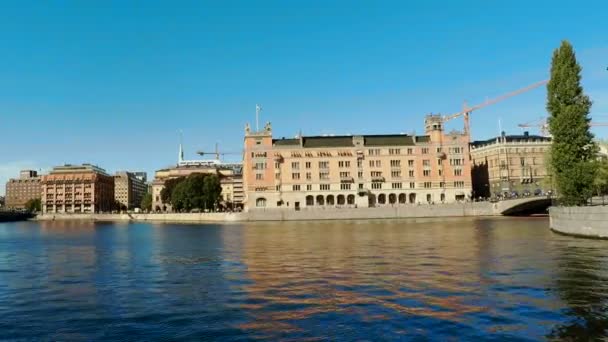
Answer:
(572, 150)
(146, 202)
(212, 190)
(601, 178)
(167, 191)
(33, 205)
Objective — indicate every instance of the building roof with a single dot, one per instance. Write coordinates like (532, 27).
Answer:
(512, 138)
(347, 140)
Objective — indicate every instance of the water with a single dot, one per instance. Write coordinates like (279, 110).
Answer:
(465, 279)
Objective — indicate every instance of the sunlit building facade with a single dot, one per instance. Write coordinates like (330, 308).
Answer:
(356, 170)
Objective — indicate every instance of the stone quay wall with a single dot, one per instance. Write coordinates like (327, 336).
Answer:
(396, 212)
(580, 221)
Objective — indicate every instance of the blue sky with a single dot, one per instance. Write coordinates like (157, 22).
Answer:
(112, 82)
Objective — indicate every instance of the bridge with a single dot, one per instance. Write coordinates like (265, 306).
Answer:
(523, 206)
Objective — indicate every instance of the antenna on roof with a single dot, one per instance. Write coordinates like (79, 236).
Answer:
(258, 109)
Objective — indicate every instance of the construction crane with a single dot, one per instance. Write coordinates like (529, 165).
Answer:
(466, 110)
(543, 125)
(217, 153)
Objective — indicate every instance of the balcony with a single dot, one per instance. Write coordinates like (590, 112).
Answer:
(347, 179)
(378, 179)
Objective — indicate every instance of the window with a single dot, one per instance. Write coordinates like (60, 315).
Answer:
(345, 186)
(426, 173)
(277, 176)
(397, 185)
(522, 161)
(324, 187)
(260, 166)
(395, 163)
(324, 175)
(309, 187)
(427, 185)
(343, 164)
(376, 185)
(459, 184)
(295, 165)
(308, 165)
(296, 187)
(426, 162)
(360, 174)
(260, 202)
(440, 172)
(344, 174)
(376, 174)
(378, 163)
(359, 163)
(323, 165)
(308, 176)
(412, 185)
(360, 185)
(295, 176)
(396, 174)
(394, 151)
(258, 176)
(457, 172)
(441, 184)
(456, 162)
(410, 163)
(411, 173)
(374, 152)
(425, 150)
(439, 161)
(410, 151)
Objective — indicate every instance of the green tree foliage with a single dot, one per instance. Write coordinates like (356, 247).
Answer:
(572, 150)
(197, 191)
(601, 178)
(33, 205)
(167, 191)
(146, 202)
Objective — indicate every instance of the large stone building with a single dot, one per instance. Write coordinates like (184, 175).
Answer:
(510, 165)
(82, 188)
(356, 170)
(231, 180)
(129, 188)
(22, 189)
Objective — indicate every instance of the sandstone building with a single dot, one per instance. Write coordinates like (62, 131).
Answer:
(22, 189)
(356, 170)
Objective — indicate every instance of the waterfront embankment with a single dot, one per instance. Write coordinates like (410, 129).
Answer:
(395, 212)
(11, 216)
(580, 221)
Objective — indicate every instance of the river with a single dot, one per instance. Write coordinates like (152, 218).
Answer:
(448, 279)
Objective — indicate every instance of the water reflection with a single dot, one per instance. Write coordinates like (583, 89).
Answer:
(473, 279)
(582, 283)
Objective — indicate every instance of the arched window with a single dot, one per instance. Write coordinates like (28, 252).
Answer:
(330, 200)
(392, 198)
(310, 201)
(341, 200)
(320, 200)
(428, 198)
(412, 198)
(260, 202)
(402, 198)
(350, 199)
(382, 199)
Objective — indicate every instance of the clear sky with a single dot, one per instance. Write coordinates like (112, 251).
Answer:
(112, 82)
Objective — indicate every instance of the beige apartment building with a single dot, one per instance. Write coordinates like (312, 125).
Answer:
(510, 164)
(82, 188)
(230, 175)
(356, 170)
(129, 188)
(22, 189)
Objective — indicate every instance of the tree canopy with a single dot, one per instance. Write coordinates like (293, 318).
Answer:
(197, 191)
(167, 191)
(573, 150)
(33, 205)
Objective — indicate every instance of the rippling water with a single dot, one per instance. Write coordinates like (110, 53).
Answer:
(368, 280)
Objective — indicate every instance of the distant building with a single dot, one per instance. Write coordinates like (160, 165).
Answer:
(22, 189)
(2, 201)
(130, 188)
(356, 170)
(231, 180)
(82, 188)
(510, 164)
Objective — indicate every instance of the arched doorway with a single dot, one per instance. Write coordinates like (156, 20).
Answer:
(260, 202)
(412, 198)
(429, 198)
(371, 200)
(392, 198)
(341, 200)
(382, 199)
(350, 199)
(442, 197)
(310, 201)
(330, 200)
(320, 200)
(402, 198)
(157, 208)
